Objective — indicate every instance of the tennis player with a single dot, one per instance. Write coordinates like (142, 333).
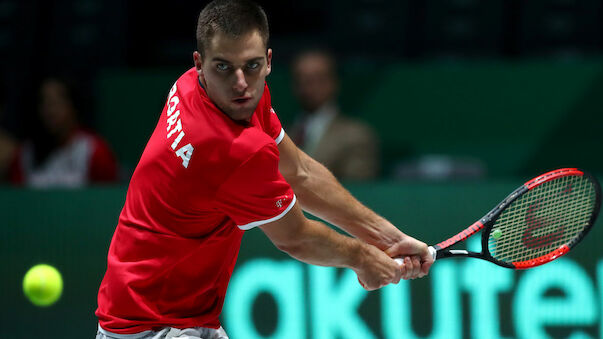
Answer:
(219, 164)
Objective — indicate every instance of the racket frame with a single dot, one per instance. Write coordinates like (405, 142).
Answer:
(485, 224)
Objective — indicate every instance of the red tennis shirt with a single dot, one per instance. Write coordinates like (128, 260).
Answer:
(201, 181)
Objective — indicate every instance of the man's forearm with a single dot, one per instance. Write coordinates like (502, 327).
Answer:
(322, 195)
(319, 193)
(319, 245)
(314, 243)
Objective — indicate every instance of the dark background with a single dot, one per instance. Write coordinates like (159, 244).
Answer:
(511, 87)
(104, 44)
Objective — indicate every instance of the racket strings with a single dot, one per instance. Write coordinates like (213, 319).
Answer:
(543, 219)
(534, 220)
(543, 229)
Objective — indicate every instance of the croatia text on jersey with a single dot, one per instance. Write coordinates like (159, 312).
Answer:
(174, 125)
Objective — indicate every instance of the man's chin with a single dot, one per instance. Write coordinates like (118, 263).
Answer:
(240, 114)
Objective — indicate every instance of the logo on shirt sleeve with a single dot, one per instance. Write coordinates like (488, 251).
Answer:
(281, 202)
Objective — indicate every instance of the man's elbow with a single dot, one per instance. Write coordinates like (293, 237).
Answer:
(297, 178)
(292, 247)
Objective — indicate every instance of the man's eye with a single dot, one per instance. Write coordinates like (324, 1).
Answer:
(222, 67)
(253, 65)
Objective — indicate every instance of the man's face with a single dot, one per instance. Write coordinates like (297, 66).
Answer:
(233, 72)
(314, 81)
(56, 109)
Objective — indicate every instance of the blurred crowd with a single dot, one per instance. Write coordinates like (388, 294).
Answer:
(48, 138)
(347, 147)
(56, 149)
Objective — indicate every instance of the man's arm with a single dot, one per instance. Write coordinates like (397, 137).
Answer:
(322, 195)
(315, 243)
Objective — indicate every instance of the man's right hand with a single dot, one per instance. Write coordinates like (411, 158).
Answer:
(376, 269)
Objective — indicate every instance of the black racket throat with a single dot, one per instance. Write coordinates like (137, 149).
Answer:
(485, 226)
(443, 253)
(459, 253)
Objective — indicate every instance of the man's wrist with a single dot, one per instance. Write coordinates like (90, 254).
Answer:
(382, 234)
(360, 253)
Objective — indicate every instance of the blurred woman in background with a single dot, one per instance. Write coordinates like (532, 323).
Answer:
(59, 152)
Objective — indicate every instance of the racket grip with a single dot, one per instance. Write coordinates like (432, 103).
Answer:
(432, 251)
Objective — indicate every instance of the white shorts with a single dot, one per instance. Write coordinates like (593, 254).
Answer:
(167, 333)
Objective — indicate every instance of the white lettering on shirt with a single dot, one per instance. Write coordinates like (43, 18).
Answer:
(172, 91)
(174, 124)
(177, 141)
(172, 105)
(185, 154)
(173, 119)
(178, 128)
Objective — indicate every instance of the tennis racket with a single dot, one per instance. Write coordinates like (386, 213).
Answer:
(539, 222)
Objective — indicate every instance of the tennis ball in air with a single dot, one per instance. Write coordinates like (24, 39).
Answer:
(496, 234)
(43, 285)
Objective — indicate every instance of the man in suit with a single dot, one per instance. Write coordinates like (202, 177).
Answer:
(347, 147)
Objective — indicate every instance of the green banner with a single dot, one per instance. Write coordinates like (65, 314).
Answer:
(274, 296)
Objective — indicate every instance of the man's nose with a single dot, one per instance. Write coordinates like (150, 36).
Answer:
(241, 83)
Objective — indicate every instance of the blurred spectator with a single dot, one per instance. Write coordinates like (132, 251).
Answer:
(347, 147)
(7, 142)
(59, 152)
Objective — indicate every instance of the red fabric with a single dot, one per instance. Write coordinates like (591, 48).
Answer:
(84, 159)
(103, 166)
(15, 170)
(244, 200)
(177, 239)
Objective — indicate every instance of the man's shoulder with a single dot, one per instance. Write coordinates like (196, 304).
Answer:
(187, 85)
(189, 76)
(249, 142)
(222, 141)
(222, 147)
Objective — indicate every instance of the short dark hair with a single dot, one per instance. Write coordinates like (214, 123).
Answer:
(231, 17)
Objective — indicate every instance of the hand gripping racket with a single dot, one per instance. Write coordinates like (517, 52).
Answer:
(537, 223)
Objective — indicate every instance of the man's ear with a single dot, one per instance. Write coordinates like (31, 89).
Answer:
(269, 61)
(198, 63)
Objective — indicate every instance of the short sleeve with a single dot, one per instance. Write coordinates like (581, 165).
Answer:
(256, 193)
(270, 121)
(276, 129)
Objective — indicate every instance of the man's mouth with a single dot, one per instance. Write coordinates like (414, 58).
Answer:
(241, 100)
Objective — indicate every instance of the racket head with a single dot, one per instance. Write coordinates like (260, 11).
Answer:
(541, 220)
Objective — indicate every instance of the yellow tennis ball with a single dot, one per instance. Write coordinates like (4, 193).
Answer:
(496, 234)
(43, 285)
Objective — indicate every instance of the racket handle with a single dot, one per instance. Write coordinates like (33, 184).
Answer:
(432, 251)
